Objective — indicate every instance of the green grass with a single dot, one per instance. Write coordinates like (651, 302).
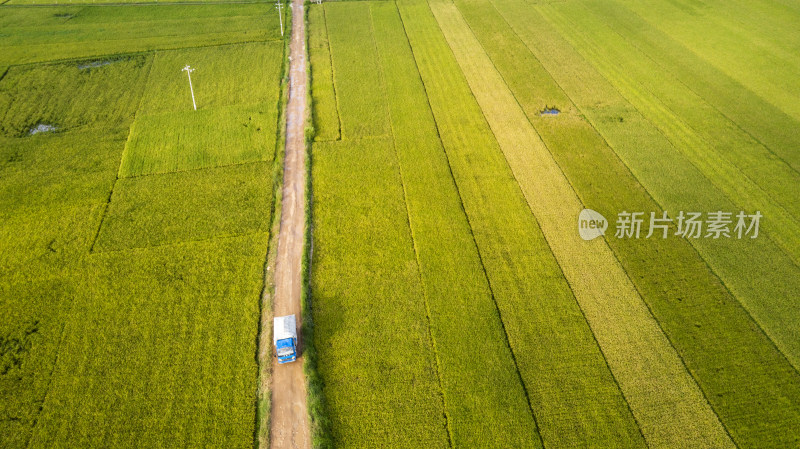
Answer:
(193, 205)
(361, 98)
(324, 106)
(370, 327)
(68, 97)
(669, 408)
(546, 329)
(485, 402)
(733, 361)
(67, 32)
(159, 350)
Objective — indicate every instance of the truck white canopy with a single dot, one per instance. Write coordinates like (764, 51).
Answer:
(284, 327)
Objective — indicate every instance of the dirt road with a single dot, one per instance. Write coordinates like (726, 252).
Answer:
(289, 418)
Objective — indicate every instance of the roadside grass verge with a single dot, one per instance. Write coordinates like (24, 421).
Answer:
(361, 98)
(485, 401)
(734, 363)
(574, 396)
(373, 348)
(669, 408)
(194, 205)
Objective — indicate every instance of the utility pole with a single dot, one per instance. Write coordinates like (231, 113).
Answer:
(189, 71)
(279, 6)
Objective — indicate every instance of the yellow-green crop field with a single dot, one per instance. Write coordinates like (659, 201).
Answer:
(134, 229)
(455, 303)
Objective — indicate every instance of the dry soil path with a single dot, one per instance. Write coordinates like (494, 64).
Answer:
(289, 417)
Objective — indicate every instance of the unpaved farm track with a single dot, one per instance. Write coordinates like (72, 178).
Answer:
(289, 417)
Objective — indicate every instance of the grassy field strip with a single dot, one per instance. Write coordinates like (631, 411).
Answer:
(68, 32)
(763, 121)
(669, 407)
(372, 334)
(325, 112)
(362, 105)
(574, 395)
(755, 66)
(669, 105)
(714, 133)
(485, 400)
(755, 270)
(733, 362)
(187, 380)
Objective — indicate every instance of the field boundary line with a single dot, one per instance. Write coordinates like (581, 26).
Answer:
(113, 4)
(653, 199)
(475, 243)
(333, 82)
(61, 338)
(143, 89)
(333, 76)
(133, 53)
(672, 371)
(425, 295)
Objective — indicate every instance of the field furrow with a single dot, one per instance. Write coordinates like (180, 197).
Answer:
(325, 115)
(484, 398)
(667, 404)
(550, 338)
(361, 98)
(734, 363)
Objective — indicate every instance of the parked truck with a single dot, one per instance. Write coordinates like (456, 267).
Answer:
(284, 336)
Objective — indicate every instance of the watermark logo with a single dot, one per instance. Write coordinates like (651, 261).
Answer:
(689, 225)
(591, 224)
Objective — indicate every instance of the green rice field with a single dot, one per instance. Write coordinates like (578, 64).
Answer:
(457, 295)
(446, 203)
(134, 230)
